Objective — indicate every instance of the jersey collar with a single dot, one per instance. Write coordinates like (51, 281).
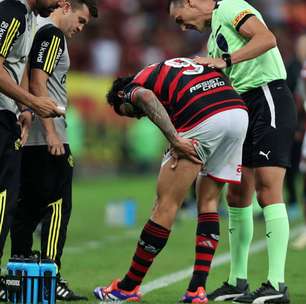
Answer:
(217, 4)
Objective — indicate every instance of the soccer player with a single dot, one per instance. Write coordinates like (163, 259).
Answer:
(205, 121)
(246, 50)
(47, 163)
(17, 22)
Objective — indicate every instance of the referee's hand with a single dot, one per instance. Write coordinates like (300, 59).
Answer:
(217, 63)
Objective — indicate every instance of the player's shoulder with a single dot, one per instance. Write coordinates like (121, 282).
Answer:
(234, 12)
(13, 8)
(49, 34)
(236, 4)
(48, 31)
(226, 7)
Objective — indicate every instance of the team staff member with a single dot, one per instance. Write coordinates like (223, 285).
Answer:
(47, 164)
(17, 23)
(241, 44)
(192, 105)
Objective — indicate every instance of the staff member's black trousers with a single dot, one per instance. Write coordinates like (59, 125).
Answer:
(45, 196)
(10, 156)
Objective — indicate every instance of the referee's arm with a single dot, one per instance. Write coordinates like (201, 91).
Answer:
(261, 39)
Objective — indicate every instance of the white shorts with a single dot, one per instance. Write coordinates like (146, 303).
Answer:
(221, 138)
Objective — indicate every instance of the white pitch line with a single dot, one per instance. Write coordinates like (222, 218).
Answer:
(219, 260)
(97, 244)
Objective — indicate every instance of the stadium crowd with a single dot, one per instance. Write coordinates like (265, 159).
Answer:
(129, 35)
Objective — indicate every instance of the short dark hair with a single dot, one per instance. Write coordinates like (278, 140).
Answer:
(174, 2)
(91, 4)
(112, 96)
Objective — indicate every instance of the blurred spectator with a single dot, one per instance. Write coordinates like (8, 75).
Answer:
(300, 242)
(295, 85)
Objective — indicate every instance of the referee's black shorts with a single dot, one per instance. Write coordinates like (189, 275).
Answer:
(272, 122)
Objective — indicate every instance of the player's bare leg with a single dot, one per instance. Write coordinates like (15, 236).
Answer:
(172, 187)
(207, 237)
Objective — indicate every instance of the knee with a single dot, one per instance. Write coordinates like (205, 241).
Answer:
(165, 209)
(263, 195)
(235, 197)
(268, 193)
(208, 205)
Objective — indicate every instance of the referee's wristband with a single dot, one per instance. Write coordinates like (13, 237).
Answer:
(28, 110)
(228, 59)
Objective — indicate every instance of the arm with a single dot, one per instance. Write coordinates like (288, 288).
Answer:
(11, 89)
(261, 40)
(26, 115)
(149, 103)
(38, 86)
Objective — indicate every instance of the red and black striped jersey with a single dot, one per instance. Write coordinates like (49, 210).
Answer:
(189, 92)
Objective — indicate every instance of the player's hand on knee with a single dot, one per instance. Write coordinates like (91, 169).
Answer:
(185, 148)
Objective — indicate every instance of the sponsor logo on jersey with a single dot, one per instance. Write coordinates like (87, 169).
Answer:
(59, 54)
(3, 27)
(208, 85)
(241, 16)
(43, 47)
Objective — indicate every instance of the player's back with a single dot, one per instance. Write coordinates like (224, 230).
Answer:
(190, 92)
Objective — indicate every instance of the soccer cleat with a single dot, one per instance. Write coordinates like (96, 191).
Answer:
(113, 293)
(64, 293)
(266, 294)
(3, 290)
(229, 292)
(198, 296)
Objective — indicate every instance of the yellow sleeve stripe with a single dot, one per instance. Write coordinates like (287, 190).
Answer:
(13, 28)
(51, 56)
(54, 55)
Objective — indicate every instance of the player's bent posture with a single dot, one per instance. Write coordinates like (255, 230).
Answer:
(205, 121)
(47, 163)
(242, 45)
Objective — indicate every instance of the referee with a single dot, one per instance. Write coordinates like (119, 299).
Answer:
(47, 163)
(17, 23)
(241, 44)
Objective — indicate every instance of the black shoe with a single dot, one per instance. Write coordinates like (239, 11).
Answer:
(64, 293)
(228, 292)
(3, 290)
(266, 294)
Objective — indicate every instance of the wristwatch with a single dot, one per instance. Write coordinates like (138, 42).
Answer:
(28, 110)
(228, 59)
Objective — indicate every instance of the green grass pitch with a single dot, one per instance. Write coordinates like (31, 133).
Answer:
(95, 253)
